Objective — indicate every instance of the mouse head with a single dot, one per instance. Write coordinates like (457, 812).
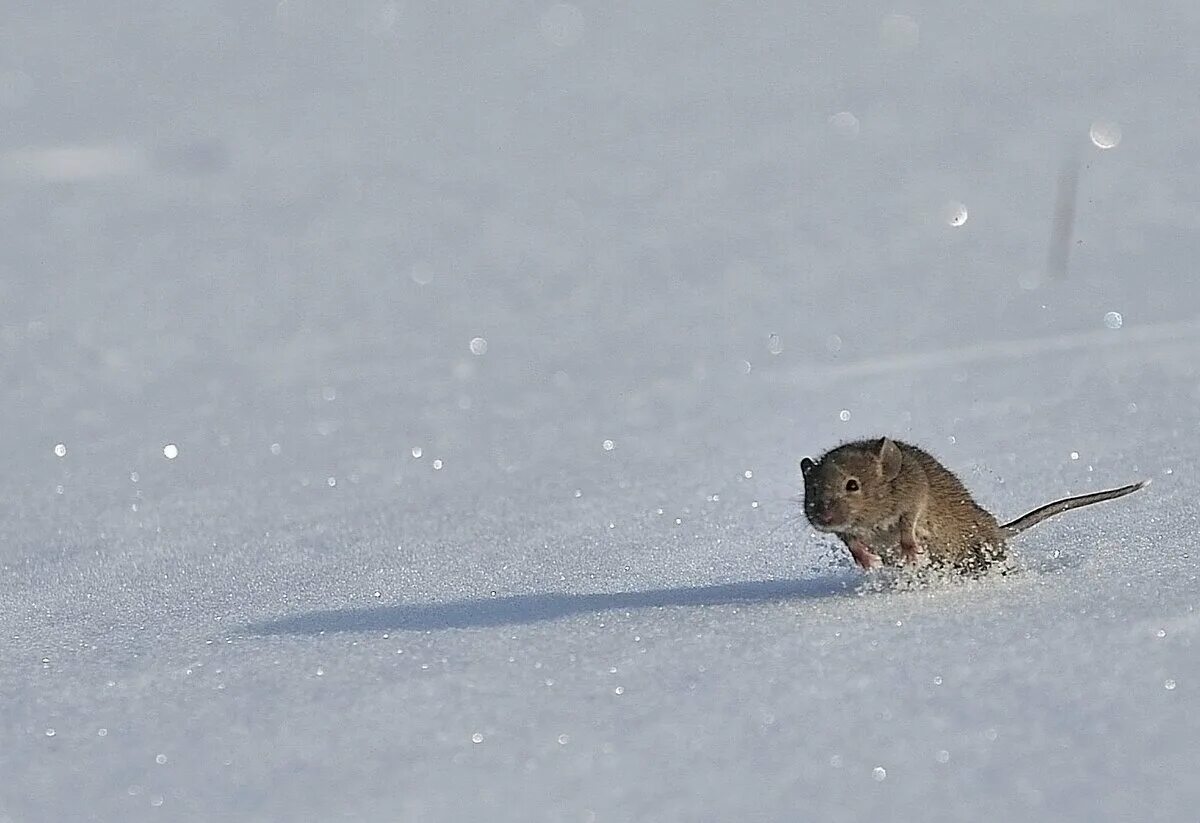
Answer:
(847, 489)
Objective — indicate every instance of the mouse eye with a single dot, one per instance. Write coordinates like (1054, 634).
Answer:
(851, 485)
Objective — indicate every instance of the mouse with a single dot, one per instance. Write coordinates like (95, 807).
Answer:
(893, 503)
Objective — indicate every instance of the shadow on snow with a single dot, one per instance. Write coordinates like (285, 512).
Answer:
(533, 608)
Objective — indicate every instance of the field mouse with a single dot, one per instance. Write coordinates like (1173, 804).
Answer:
(891, 502)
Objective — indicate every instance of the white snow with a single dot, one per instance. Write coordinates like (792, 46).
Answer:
(613, 270)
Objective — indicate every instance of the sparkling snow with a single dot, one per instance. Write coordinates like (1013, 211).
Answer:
(250, 249)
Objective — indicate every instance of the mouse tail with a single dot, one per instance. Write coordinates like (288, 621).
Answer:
(1066, 504)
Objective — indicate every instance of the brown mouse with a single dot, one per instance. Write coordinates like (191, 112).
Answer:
(891, 502)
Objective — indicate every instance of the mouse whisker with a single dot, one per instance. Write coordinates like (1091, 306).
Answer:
(786, 522)
(799, 498)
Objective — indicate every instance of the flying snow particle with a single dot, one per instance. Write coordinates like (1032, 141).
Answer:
(1105, 134)
(1113, 320)
(60, 450)
(477, 738)
(421, 274)
(955, 214)
(774, 344)
(417, 451)
(844, 415)
(844, 124)
(170, 451)
(478, 346)
(879, 773)
(608, 445)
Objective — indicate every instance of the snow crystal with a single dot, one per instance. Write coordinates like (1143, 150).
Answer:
(1105, 134)
(844, 123)
(954, 214)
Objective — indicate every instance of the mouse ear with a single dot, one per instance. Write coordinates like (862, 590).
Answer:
(806, 465)
(890, 459)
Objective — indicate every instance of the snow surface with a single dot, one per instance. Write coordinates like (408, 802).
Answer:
(301, 242)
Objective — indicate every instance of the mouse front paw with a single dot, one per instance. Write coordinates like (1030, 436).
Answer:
(910, 551)
(863, 556)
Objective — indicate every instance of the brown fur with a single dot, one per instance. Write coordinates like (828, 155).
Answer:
(909, 504)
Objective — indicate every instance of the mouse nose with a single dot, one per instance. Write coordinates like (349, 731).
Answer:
(822, 514)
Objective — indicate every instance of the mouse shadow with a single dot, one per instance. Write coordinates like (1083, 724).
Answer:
(536, 608)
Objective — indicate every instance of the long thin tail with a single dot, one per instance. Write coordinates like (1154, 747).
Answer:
(1066, 504)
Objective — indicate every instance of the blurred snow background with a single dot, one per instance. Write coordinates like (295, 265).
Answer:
(399, 399)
